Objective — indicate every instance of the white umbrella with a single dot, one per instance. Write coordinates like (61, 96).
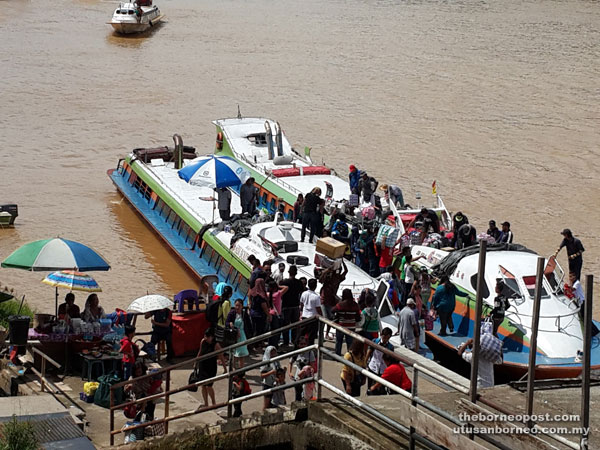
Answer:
(151, 302)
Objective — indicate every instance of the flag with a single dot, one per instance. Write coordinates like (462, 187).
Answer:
(433, 188)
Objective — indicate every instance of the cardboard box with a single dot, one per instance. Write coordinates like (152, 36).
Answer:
(330, 247)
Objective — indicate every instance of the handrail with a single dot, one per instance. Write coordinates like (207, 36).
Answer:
(412, 396)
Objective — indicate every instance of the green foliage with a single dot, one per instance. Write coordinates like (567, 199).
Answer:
(18, 435)
(11, 308)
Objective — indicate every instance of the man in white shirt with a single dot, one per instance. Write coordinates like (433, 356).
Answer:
(278, 274)
(310, 306)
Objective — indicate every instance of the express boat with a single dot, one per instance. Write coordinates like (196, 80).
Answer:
(281, 172)
(560, 335)
(183, 215)
(135, 17)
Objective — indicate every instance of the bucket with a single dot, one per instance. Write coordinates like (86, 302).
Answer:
(39, 320)
(18, 328)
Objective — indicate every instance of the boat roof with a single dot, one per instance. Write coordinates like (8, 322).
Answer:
(247, 139)
(192, 197)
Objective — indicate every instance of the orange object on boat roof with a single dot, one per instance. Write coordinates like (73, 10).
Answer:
(297, 171)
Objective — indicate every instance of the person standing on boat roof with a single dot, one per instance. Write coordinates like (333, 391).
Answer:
(393, 194)
(248, 197)
(224, 203)
(367, 186)
(574, 251)
(444, 302)
(312, 215)
(429, 218)
(354, 178)
(506, 236)
(298, 208)
(493, 230)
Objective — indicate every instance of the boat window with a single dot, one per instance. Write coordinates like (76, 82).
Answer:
(530, 285)
(486, 291)
(118, 11)
(130, 11)
(258, 139)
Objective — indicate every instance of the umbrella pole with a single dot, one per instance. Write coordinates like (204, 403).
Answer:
(56, 303)
(214, 193)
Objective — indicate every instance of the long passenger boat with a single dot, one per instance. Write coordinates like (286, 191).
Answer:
(183, 215)
(281, 172)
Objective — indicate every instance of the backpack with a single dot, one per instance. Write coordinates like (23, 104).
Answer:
(212, 311)
(102, 395)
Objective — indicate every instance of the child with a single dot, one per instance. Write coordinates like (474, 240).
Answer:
(241, 388)
(278, 398)
(304, 362)
(370, 325)
(127, 348)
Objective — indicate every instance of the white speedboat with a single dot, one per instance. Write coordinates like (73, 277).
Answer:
(560, 335)
(135, 17)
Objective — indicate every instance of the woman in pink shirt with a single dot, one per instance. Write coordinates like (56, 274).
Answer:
(275, 292)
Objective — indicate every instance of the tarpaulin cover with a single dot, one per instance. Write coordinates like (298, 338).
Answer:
(188, 331)
(447, 266)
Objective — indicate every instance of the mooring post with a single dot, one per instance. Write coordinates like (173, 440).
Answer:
(537, 297)
(477, 320)
(585, 370)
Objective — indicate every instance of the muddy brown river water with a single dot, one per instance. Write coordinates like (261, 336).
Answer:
(497, 101)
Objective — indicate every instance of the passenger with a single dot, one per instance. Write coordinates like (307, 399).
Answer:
(278, 397)
(331, 279)
(346, 314)
(305, 363)
(429, 219)
(268, 373)
(162, 330)
(393, 193)
(290, 304)
(490, 354)
(144, 388)
(354, 177)
(394, 374)
(361, 250)
(408, 327)
(248, 197)
(501, 304)
(444, 302)
(340, 230)
(466, 236)
(275, 293)
(312, 215)
(93, 311)
(257, 270)
(259, 309)
(239, 320)
(69, 310)
(375, 357)
(506, 236)
(207, 368)
(267, 269)
(370, 318)
(458, 221)
(493, 230)
(577, 292)
(298, 209)
(409, 276)
(574, 251)
(310, 306)
(128, 349)
(279, 273)
(367, 186)
(386, 254)
(224, 203)
(224, 306)
(241, 388)
(352, 380)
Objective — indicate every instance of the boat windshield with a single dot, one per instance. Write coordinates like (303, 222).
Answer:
(510, 282)
(554, 275)
(530, 285)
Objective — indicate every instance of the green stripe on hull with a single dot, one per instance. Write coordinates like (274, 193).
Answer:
(190, 220)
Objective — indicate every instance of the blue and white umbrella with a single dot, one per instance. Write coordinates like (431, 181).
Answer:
(214, 172)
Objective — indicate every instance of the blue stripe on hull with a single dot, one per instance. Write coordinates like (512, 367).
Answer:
(170, 235)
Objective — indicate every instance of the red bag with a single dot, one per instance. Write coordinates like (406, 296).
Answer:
(130, 411)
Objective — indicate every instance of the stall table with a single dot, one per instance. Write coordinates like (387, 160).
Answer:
(188, 331)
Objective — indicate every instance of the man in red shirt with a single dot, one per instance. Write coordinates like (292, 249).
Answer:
(128, 349)
(346, 314)
(395, 374)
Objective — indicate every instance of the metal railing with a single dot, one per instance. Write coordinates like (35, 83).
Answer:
(417, 409)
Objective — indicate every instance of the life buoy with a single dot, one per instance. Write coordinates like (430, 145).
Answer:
(219, 140)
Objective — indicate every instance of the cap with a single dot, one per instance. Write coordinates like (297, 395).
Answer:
(459, 216)
(567, 232)
(352, 167)
(383, 187)
(506, 223)
(410, 301)
(363, 173)
(493, 222)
